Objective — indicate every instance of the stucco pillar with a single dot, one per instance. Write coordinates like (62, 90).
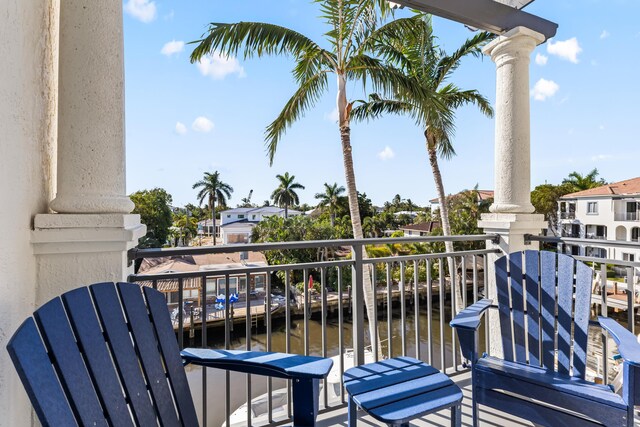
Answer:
(91, 152)
(88, 239)
(511, 214)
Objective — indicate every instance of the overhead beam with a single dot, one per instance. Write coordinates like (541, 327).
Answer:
(488, 15)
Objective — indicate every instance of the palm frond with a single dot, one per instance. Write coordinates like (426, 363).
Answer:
(304, 98)
(377, 106)
(472, 46)
(251, 38)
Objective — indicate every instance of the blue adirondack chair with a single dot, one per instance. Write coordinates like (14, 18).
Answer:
(544, 304)
(105, 355)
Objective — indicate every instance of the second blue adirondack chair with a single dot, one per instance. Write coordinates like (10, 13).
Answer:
(544, 305)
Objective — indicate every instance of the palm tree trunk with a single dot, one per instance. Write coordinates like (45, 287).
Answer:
(354, 210)
(333, 219)
(444, 214)
(213, 219)
(286, 211)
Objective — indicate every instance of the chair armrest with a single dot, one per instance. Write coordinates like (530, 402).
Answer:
(470, 317)
(627, 343)
(466, 324)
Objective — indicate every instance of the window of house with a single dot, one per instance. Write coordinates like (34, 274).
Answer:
(635, 234)
(228, 216)
(242, 287)
(233, 285)
(628, 257)
(240, 216)
(592, 207)
(253, 217)
(259, 282)
(190, 294)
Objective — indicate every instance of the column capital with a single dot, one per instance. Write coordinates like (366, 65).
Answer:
(519, 39)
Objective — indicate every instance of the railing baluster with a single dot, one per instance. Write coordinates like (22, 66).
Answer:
(441, 296)
(203, 333)
(341, 332)
(287, 328)
(374, 340)
(267, 321)
(307, 310)
(247, 344)
(389, 313)
(228, 325)
(604, 311)
(416, 306)
(429, 312)
(631, 299)
(323, 293)
(403, 312)
(454, 311)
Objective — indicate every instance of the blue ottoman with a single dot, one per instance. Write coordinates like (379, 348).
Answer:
(398, 390)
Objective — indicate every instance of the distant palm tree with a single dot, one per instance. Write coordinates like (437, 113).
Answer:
(330, 198)
(353, 55)
(580, 182)
(213, 189)
(285, 194)
(425, 62)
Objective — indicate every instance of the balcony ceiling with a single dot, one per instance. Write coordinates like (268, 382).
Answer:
(495, 16)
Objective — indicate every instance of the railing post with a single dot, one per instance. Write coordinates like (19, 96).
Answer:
(357, 295)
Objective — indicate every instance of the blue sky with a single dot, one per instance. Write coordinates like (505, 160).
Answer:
(184, 119)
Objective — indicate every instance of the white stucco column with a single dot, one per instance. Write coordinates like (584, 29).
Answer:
(91, 152)
(511, 54)
(87, 240)
(511, 214)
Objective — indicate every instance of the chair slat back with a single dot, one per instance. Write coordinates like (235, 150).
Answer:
(101, 360)
(543, 301)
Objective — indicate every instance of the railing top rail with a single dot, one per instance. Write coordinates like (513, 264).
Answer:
(401, 258)
(136, 253)
(617, 262)
(300, 266)
(587, 242)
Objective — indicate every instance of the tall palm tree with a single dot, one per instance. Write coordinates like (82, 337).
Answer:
(285, 194)
(584, 182)
(355, 27)
(432, 67)
(213, 189)
(330, 198)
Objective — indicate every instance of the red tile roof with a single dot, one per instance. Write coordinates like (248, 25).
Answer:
(627, 187)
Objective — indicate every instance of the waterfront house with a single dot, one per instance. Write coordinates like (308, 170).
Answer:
(608, 212)
(237, 224)
(215, 264)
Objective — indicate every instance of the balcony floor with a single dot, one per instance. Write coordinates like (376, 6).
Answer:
(494, 418)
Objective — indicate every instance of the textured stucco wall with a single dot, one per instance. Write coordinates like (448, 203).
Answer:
(28, 30)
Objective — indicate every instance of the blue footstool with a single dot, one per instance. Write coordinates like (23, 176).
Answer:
(398, 390)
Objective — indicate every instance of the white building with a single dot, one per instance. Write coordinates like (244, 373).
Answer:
(609, 212)
(237, 224)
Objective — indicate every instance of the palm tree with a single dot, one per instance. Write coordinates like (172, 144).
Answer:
(580, 182)
(213, 189)
(355, 28)
(330, 198)
(285, 194)
(432, 67)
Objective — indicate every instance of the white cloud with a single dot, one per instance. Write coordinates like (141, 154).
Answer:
(386, 154)
(601, 127)
(544, 89)
(202, 124)
(172, 47)
(568, 49)
(332, 116)
(604, 34)
(541, 59)
(218, 67)
(143, 10)
(181, 129)
(601, 157)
